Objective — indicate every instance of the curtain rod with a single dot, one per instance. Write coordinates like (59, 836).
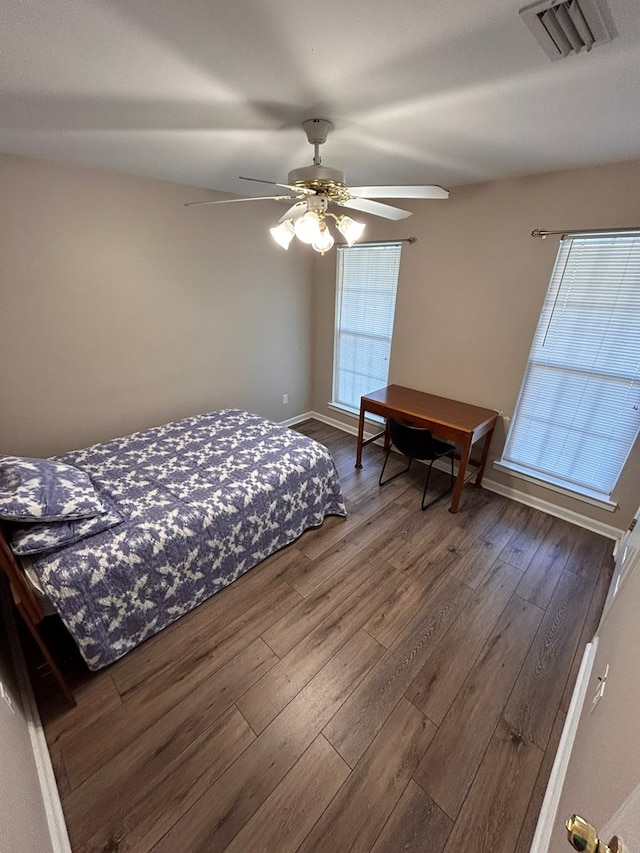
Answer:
(541, 233)
(410, 240)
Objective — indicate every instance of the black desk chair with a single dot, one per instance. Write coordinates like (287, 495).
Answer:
(417, 443)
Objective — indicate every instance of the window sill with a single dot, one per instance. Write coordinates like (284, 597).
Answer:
(585, 496)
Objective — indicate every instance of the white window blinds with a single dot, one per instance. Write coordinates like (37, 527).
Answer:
(578, 413)
(367, 279)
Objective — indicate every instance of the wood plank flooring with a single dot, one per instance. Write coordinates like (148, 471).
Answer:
(395, 681)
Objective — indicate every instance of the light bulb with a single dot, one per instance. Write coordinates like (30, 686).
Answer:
(350, 229)
(324, 241)
(307, 227)
(284, 233)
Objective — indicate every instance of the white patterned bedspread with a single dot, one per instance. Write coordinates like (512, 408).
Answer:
(204, 500)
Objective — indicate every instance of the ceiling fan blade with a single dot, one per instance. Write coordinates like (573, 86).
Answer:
(302, 190)
(298, 209)
(234, 200)
(400, 192)
(376, 208)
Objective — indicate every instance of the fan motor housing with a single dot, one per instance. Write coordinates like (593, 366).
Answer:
(319, 178)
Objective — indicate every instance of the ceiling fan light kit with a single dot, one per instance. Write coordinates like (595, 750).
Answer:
(284, 233)
(316, 187)
(307, 227)
(350, 229)
(323, 241)
(312, 230)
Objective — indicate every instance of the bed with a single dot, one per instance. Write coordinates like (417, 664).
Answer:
(185, 509)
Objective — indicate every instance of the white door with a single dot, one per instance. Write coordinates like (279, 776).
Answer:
(602, 781)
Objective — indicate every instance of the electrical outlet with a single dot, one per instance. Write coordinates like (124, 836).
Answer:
(285, 399)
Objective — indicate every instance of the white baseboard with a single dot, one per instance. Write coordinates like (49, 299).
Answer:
(46, 777)
(352, 429)
(553, 509)
(550, 508)
(298, 419)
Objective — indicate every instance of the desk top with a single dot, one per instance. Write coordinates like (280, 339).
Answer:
(441, 410)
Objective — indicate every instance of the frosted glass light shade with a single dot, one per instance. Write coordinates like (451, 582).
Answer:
(324, 241)
(350, 229)
(307, 227)
(284, 233)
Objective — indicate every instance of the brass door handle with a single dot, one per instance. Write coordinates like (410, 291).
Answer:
(583, 836)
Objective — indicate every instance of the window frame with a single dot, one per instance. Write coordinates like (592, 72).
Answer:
(339, 324)
(612, 282)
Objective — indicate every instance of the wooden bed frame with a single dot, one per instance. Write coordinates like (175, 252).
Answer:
(33, 605)
(29, 607)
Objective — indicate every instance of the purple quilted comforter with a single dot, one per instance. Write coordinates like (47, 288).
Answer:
(203, 500)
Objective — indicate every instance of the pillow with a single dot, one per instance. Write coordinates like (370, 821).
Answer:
(39, 538)
(45, 490)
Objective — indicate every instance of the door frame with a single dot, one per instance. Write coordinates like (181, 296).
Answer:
(549, 809)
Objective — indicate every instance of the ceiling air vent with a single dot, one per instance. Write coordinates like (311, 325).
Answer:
(563, 28)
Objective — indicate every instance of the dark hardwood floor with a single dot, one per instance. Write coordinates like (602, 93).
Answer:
(395, 681)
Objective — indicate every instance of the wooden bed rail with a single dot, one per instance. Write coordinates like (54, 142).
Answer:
(28, 605)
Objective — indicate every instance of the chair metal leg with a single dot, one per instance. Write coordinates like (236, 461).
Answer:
(442, 494)
(389, 479)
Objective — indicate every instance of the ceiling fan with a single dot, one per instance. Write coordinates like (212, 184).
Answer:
(314, 188)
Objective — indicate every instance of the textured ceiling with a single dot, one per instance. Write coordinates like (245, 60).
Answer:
(420, 91)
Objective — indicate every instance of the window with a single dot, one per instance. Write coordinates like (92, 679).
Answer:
(367, 279)
(578, 413)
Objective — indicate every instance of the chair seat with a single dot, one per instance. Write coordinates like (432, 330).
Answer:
(417, 443)
(442, 448)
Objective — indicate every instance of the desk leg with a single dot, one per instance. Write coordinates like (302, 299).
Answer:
(465, 455)
(360, 438)
(483, 458)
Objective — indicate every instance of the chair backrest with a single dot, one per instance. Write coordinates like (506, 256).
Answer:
(415, 442)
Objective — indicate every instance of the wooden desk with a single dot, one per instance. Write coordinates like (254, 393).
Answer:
(447, 419)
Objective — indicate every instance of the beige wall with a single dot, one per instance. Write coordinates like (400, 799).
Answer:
(122, 309)
(470, 293)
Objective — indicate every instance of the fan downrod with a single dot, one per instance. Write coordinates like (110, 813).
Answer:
(321, 179)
